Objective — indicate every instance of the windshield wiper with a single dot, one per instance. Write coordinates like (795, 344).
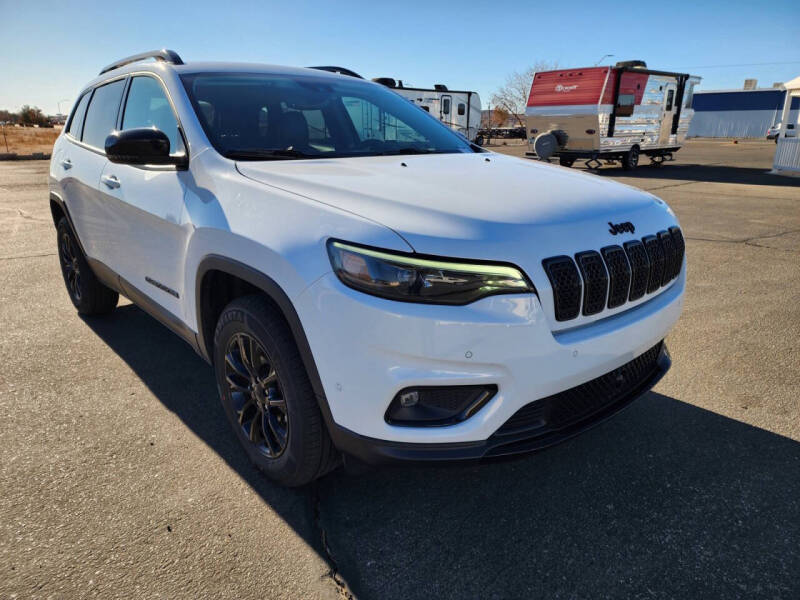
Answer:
(261, 154)
(411, 150)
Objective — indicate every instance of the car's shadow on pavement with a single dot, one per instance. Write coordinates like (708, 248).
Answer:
(702, 173)
(664, 500)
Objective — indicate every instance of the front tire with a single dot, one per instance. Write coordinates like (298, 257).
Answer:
(88, 295)
(267, 395)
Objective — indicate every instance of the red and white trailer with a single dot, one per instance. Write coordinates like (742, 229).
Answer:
(609, 114)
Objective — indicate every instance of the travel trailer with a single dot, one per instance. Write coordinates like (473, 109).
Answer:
(609, 114)
(459, 110)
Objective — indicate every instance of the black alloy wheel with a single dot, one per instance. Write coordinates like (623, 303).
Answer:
(256, 395)
(68, 255)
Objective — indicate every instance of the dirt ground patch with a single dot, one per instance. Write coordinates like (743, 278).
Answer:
(27, 140)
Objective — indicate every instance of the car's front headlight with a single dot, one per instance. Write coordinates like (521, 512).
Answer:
(432, 280)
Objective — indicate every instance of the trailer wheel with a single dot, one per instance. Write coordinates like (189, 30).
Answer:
(631, 159)
(479, 140)
(565, 161)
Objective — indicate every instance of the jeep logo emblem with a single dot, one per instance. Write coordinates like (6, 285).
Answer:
(615, 228)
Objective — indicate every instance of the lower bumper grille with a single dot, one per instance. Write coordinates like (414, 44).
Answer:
(572, 406)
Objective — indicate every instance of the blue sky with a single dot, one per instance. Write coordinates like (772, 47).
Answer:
(48, 50)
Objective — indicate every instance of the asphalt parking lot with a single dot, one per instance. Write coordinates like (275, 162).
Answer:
(119, 477)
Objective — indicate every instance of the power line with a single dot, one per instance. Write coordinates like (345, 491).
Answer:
(764, 64)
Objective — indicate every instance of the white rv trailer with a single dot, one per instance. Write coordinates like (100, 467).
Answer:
(609, 113)
(459, 110)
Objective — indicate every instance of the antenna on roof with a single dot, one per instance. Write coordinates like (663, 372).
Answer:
(164, 55)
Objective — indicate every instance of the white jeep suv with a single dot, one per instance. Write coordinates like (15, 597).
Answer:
(364, 281)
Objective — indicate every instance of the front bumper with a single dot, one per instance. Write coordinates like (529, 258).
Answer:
(367, 349)
(530, 434)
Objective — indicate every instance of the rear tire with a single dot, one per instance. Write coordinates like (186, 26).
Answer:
(631, 159)
(267, 395)
(88, 295)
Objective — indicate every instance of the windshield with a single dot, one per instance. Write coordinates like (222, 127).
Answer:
(276, 117)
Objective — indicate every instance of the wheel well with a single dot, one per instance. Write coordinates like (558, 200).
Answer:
(56, 211)
(217, 290)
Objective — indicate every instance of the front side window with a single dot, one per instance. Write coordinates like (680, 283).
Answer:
(101, 117)
(147, 106)
(76, 124)
(254, 116)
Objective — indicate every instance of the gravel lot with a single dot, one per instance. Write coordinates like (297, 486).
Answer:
(120, 479)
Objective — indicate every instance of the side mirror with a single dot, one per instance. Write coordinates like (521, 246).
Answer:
(143, 146)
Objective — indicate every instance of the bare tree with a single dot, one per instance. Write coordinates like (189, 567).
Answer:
(500, 116)
(513, 95)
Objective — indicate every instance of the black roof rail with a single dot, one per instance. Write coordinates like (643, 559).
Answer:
(168, 56)
(339, 70)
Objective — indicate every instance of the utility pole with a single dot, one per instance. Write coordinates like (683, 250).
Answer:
(3, 126)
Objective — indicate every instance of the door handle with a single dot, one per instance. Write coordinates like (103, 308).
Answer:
(111, 181)
(66, 164)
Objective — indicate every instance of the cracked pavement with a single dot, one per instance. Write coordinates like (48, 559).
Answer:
(119, 477)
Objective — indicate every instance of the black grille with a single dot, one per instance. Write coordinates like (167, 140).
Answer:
(656, 255)
(576, 404)
(670, 257)
(595, 281)
(640, 268)
(680, 247)
(566, 282)
(615, 275)
(619, 275)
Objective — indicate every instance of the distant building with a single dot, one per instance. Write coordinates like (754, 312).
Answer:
(738, 113)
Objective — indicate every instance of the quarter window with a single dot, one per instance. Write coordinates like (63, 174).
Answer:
(76, 124)
(147, 106)
(101, 117)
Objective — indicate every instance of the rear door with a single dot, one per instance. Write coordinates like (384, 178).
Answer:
(83, 162)
(446, 110)
(668, 114)
(149, 226)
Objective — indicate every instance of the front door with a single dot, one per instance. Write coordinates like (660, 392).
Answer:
(150, 225)
(668, 114)
(446, 110)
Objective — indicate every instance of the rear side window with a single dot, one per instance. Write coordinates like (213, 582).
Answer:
(76, 124)
(102, 114)
(147, 106)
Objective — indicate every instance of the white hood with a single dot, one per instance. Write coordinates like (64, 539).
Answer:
(482, 205)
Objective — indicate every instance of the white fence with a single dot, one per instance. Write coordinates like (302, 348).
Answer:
(787, 155)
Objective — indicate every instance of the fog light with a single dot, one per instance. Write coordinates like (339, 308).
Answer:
(409, 399)
(434, 406)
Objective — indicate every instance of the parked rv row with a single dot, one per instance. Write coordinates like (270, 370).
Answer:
(595, 114)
